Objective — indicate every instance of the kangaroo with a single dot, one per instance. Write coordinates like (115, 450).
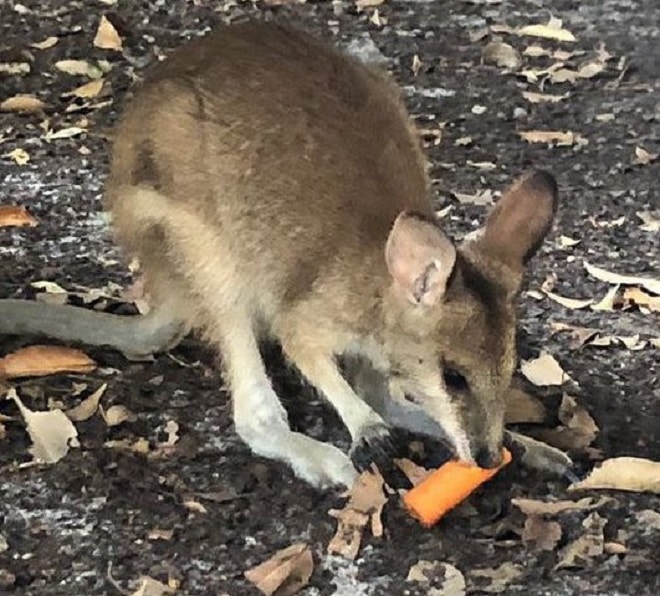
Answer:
(272, 187)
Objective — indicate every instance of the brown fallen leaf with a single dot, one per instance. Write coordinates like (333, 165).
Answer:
(286, 572)
(79, 68)
(633, 474)
(533, 97)
(22, 103)
(652, 285)
(500, 577)
(117, 414)
(579, 336)
(19, 155)
(501, 54)
(523, 408)
(578, 429)
(416, 474)
(552, 136)
(365, 503)
(87, 407)
(87, 91)
(42, 360)
(553, 29)
(608, 302)
(570, 303)
(17, 216)
(51, 432)
(446, 579)
(152, 587)
(644, 157)
(107, 37)
(541, 534)
(534, 507)
(46, 44)
(615, 548)
(544, 371)
(638, 297)
(590, 544)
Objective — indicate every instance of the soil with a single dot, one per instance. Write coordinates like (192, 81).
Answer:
(70, 527)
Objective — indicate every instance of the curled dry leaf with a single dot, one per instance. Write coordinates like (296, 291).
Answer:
(41, 360)
(578, 429)
(541, 534)
(552, 136)
(79, 68)
(46, 44)
(447, 580)
(579, 336)
(650, 220)
(107, 37)
(19, 155)
(87, 91)
(416, 474)
(590, 544)
(17, 216)
(638, 297)
(644, 157)
(286, 572)
(634, 474)
(51, 432)
(553, 29)
(652, 285)
(571, 303)
(533, 97)
(88, 407)
(609, 301)
(118, 414)
(537, 508)
(501, 54)
(22, 103)
(544, 371)
(152, 587)
(365, 504)
(64, 133)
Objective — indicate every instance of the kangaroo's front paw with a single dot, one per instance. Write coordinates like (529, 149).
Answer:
(378, 445)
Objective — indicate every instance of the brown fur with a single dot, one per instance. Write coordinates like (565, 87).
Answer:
(258, 174)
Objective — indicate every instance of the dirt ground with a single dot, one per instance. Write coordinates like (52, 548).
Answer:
(67, 527)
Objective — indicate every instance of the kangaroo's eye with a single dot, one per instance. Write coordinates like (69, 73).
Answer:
(454, 380)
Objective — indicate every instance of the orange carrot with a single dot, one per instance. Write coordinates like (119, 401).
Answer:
(446, 487)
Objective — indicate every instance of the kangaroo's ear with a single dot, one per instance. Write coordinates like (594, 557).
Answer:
(517, 225)
(420, 258)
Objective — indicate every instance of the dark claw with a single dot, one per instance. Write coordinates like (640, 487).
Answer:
(378, 446)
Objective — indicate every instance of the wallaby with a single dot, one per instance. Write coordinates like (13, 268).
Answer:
(272, 187)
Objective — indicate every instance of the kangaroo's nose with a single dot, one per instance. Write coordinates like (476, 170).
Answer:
(487, 458)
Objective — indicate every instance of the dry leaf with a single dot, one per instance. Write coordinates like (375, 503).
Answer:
(572, 303)
(88, 407)
(47, 43)
(549, 136)
(195, 506)
(552, 30)
(365, 503)
(51, 432)
(568, 242)
(544, 371)
(638, 297)
(579, 335)
(140, 445)
(152, 587)
(88, 90)
(463, 141)
(38, 360)
(447, 580)
(615, 548)
(286, 572)
(535, 508)
(652, 285)
(623, 473)
(416, 474)
(643, 157)
(22, 103)
(533, 97)
(158, 534)
(590, 70)
(79, 68)
(64, 133)
(416, 65)
(15, 68)
(368, 3)
(20, 156)
(107, 37)
(117, 414)
(523, 408)
(541, 534)
(17, 216)
(500, 577)
(608, 302)
(650, 220)
(578, 428)
(484, 197)
(590, 544)
(502, 55)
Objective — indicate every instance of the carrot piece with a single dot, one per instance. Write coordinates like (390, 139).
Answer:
(446, 487)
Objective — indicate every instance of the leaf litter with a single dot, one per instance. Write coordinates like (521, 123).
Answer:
(285, 573)
(623, 473)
